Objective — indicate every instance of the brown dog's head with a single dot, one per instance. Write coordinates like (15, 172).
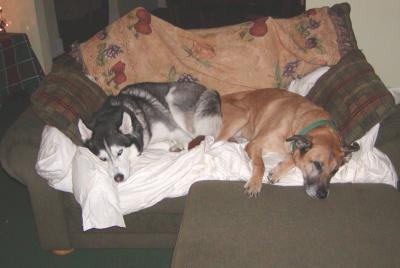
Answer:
(319, 155)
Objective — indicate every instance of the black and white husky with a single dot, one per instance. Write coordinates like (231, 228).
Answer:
(148, 113)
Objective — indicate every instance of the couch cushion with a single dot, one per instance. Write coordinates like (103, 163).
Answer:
(388, 139)
(354, 95)
(156, 226)
(356, 226)
(65, 95)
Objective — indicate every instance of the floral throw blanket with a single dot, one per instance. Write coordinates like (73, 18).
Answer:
(263, 53)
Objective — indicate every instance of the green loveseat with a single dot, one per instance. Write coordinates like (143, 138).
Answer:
(58, 215)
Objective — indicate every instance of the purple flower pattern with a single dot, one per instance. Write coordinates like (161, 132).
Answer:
(112, 51)
(290, 69)
(187, 78)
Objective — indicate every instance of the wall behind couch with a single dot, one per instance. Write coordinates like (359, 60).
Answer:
(376, 26)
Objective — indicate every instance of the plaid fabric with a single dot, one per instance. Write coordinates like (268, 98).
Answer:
(340, 16)
(20, 70)
(65, 95)
(354, 95)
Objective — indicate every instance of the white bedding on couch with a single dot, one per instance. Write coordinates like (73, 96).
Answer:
(160, 174)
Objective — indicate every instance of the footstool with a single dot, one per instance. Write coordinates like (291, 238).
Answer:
(358, 225)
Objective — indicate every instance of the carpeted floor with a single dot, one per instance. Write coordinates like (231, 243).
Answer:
(18, 238)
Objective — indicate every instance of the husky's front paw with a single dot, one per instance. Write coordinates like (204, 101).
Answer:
(253, 187)
(176, 148)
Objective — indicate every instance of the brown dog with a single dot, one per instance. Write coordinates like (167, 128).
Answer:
(276, 120)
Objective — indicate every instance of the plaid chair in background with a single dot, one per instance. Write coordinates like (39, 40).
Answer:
(20, 71)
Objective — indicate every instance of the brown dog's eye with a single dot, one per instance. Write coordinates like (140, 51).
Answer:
(318, 165)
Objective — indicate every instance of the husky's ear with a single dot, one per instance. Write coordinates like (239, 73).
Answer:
(348, 149)
(85, 132)
(126, 125)
(354, 147)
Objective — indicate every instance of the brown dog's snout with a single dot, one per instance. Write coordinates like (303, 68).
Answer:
(322, 193)
(316, 190)
(119, 177)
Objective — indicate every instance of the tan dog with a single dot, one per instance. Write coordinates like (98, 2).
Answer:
(276, 120)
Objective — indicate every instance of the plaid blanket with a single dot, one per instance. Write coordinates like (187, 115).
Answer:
(20, 70)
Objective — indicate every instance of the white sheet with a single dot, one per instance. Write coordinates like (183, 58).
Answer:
(161, 174)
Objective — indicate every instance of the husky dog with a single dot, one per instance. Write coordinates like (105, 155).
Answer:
(148, 113)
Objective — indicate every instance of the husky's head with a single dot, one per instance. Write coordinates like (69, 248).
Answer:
(114, 137)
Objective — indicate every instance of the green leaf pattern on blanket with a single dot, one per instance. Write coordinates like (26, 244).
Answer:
(278, 76)
(172, 74)
(244, 33)
(206, 63)
(100, 59)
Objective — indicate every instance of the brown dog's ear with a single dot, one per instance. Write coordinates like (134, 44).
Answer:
(301, 142)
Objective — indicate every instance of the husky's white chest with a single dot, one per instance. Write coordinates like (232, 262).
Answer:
(159, 132)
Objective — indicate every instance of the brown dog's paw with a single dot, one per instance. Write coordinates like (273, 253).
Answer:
(270, 177)
(273, 175)
(253, 188)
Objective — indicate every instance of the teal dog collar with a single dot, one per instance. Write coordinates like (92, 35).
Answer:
(312, 126)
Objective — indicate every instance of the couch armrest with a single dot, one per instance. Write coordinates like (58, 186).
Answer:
(18, 154)
(388, 139)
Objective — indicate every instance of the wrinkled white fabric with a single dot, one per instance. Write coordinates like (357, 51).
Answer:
(396, 94)
(95, 191)
(161, 174)
(54, 159)
(303, 86)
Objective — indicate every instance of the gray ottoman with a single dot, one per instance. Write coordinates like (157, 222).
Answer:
(358, 225)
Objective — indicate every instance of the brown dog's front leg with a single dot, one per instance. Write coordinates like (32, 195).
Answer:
(253, 186)
(281, 169)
